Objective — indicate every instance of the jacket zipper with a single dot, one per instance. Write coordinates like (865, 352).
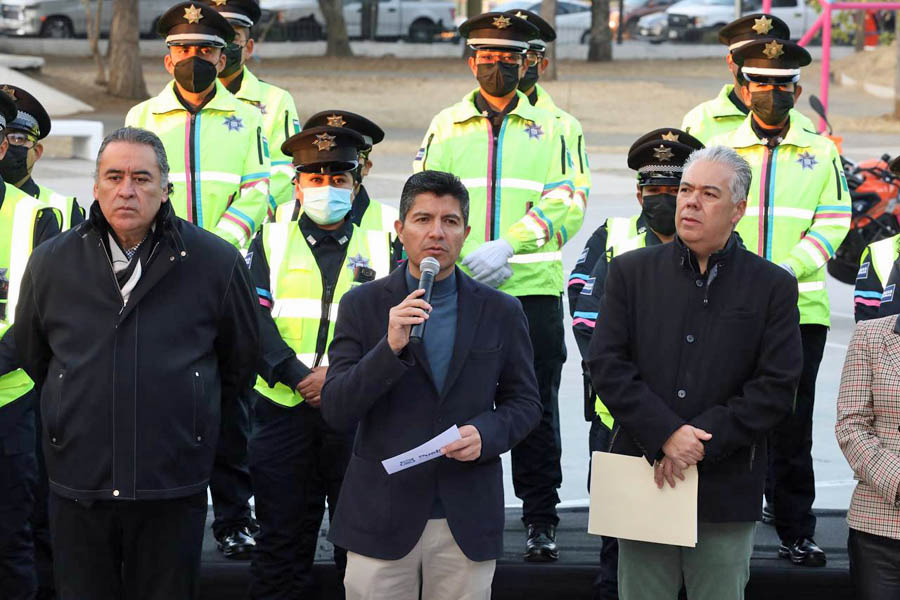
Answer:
(259, 144)
(752, 455)
(615, 433)
(770, 157)
(324, 322)
(192, 159)
(489, 234)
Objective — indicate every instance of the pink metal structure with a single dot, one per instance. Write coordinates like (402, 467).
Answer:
(824, 23)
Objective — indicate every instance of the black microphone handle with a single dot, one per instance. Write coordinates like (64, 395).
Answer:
(426, 283)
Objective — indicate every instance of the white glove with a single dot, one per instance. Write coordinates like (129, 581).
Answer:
(497, 278)
(488, 259)
(788, 268)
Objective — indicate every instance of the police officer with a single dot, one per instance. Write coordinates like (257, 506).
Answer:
(658, 158)
(279, 114)
(798, 212)
(215, 143)
(24, 134)
(514, 160)
(874, 295)
(725, 113)
(537, 61)
(301, 269)
(25, 222)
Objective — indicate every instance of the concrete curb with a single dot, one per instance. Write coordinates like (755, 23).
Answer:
(879, 91)
(55, 102)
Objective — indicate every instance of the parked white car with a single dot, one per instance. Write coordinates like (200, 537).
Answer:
(413, 20)
(573, 17)
(689, 19)
(66, 18)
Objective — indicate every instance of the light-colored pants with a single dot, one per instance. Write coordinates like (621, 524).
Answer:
(435, 564)
(718, 568)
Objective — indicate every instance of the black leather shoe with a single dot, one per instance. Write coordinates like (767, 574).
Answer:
(541, 545)
(768, 515)
(236, 544)
(803, 552)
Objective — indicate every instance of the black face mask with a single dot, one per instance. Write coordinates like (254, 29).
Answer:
(529, 79)
(498, 79)
(773, 106)
(233, 55)
(14, 166)
(195, 74)
(659, 211)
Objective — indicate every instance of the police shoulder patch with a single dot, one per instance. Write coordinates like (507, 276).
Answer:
(888, 294)
(248, 258)
(863, 271)
(420, 154)
(588, 288)
(583, 256)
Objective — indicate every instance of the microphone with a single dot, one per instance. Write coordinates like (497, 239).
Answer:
(429, 268)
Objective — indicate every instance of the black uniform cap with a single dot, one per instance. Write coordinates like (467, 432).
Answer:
(771, 60)
(894, 165)
(194, 24)
(324, 149)
(498, 30)
(546, 31)
(240, 13)
(370, 132)
(31, 116)
(659, 156)
(7, 110)
(753, 27)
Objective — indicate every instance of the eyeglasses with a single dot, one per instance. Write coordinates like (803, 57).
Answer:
(489, 58)
(533, 59)
(21, 139)
(207, 51)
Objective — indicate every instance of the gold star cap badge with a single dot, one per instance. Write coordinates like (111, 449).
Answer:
(522, 16)
(336, 121)
(501, 22)
(193, 14)
(220, 2)
(324, 142)
(773, 50)
(762, 25)
(663, 154)
(9, 92)
(670, 137)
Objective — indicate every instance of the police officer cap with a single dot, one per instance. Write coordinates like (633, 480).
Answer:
(194, 24)
(370, 132)
(894, 165)
(547, 33)
(31, 116)
(498, 30)
(240, 13)
(742, 31)
(7, 110)
(771, 60)
(324, 149)
(659, 156)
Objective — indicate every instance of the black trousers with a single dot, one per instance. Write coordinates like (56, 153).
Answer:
(289, 450)
(791, 483)
(536, 470)
(606, 585)
(874, 565)
(40, 522)
(127, 549)
(229, 483)
(18, 475)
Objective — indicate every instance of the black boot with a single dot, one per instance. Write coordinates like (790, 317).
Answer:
(541, 545)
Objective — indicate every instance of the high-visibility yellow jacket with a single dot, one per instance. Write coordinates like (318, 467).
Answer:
(218, 160)
(521, 186)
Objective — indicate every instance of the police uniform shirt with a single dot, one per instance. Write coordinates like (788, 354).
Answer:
(494, 116)
(279, 361)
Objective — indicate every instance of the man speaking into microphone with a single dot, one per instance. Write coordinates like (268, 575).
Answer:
(436, 528)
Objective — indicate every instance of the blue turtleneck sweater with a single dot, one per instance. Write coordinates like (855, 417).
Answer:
(440, 330)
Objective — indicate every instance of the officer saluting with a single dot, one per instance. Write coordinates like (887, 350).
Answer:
(514, 160)
(215, 143)
(279, 114)
(301, 269)
(24, 133)
(798, 212)
(658, 158)
(725, 113)
(25, 222)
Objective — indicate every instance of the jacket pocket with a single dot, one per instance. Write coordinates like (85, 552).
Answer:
(199, 406)
(51, 414)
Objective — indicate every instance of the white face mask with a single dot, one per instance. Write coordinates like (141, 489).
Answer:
(326, 205)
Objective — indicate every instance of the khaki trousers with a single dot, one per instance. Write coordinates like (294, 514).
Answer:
(435, 565)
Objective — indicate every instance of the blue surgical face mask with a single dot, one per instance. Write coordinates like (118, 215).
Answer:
(326, 205)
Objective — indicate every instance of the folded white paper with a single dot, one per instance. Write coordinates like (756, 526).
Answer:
(625, 502)
(427, 451)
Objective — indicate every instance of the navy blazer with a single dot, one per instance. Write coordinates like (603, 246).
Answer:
(393, 401)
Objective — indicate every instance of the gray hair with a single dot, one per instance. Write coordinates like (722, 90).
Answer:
(739, 186)
(135, 135)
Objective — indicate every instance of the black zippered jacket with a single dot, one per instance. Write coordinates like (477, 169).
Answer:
(718, 350)
(130, 394)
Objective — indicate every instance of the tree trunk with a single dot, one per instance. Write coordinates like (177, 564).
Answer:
(126, 74)
(548, 13)
(92, 24)
(600, 38)
(335, 28)
(859, 41)
(897, 68)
